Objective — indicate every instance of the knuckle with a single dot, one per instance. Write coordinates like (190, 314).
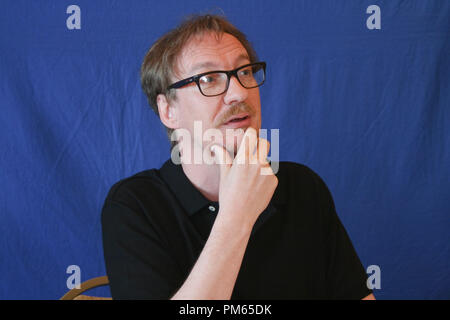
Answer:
(274, 181)
(251, 130)
(265, 144)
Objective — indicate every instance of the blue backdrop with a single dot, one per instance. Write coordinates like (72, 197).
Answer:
(367, 109)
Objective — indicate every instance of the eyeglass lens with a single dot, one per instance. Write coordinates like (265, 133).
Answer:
(216, 83)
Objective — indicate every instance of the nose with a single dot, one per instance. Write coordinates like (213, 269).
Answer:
(235, 93)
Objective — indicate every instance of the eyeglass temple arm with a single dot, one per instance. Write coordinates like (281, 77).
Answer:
(181, 83)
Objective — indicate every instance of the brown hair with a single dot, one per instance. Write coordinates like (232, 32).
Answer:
(158, 67)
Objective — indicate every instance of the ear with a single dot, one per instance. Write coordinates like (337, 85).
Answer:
(167, 112)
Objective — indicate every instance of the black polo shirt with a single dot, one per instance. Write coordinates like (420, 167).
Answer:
(156, 223)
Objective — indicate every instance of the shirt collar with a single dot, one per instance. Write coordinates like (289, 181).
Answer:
(188, 195)
(190, 198)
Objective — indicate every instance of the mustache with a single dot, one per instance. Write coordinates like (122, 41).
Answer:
(240, 107)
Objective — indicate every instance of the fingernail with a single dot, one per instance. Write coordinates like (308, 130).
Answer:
(212, 149)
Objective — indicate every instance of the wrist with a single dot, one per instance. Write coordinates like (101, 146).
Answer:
(234, 223)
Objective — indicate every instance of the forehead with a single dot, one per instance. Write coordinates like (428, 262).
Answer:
(202, 53)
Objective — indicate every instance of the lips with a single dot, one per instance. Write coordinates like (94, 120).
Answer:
(238, 121)
(237, 117)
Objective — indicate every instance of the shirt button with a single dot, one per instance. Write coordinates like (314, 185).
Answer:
(212, 209)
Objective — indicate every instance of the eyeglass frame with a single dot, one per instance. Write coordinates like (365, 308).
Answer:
(195, 78)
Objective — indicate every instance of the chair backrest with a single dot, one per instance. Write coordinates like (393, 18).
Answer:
(76, 294)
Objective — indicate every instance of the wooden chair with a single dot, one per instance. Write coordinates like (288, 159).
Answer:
(76, 294)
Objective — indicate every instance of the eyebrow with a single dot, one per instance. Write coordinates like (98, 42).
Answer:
(211, 65)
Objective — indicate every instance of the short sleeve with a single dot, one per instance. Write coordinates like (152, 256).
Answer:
(137, 262)
(346, 277)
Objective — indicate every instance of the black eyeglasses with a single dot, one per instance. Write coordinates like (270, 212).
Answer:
(214, 83)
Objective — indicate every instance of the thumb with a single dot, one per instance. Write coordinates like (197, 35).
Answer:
(222, 158)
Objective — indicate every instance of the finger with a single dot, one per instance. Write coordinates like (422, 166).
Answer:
(266, 170)
(222, 158)
(247, 147)
(263, 150)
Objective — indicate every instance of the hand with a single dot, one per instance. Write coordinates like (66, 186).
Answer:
(245, 192)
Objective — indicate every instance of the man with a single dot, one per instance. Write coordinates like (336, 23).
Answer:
(221, 230)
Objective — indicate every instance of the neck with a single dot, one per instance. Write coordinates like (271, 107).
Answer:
(204, 177)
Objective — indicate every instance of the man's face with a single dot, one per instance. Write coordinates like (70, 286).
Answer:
(210, 53)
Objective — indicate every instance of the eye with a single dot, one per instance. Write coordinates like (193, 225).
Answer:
(245, 72)
(209, 78)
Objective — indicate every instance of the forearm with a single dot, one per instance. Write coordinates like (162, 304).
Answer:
(243, 194)
(215, 272)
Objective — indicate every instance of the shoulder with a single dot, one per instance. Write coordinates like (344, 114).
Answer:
(300, 181)
(298, 174)
(132, 190)
(289, 167)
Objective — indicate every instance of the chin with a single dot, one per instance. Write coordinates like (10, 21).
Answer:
(233, 141)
